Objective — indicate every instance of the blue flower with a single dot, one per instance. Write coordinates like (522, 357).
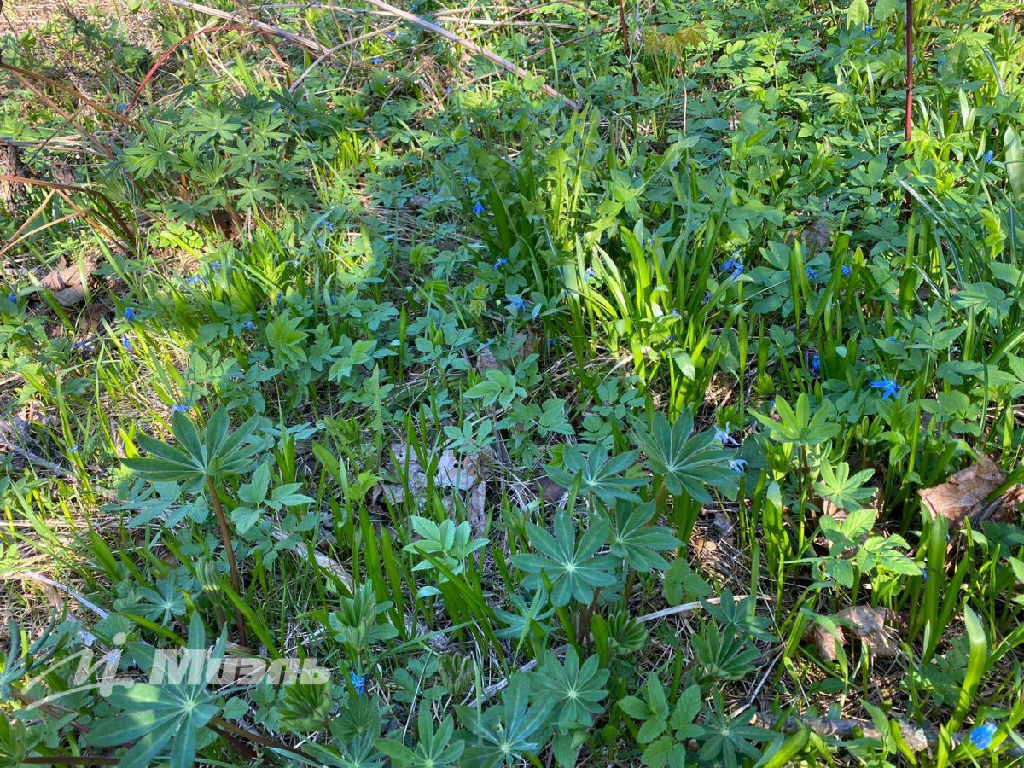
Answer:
(723, 436)
(129, 314)
(846, 269)
(589, 275)
(215, 265)
(249, 325)
(889, 388)
(815, 363)
(12, 297)
(500, 262)
(867, 29)
(737, 465)
(812, 273)
(320, 242)
(981, 736)
(913, 59)
(478, 208)
(126, 343)
(359, 683)
(516, 303)
(988, 157)
(194, 280)
(329, 226)
(924, 574)
(733, 266)
(942, 62)
(179, 408)
(376, 60)
(707, 297)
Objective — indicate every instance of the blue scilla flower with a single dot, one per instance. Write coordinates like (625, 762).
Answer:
(812, 273)
(988, 157)
(942, 61)
(359, 683)
(179, 408)
(924, 574)
(846, 269)
(500, 263)
(590, 274)
(376, 60)
(815, 363)
(126, 343)
(733, 267)
(868, 29)
(478, 208)
(194, 280)
(129, 314)
(249, 325)
(723, 436)
(12, 297)
(215, 265)
(516, 304)
(329, 226)
(889, 388)
(981, 735)
(737, 465)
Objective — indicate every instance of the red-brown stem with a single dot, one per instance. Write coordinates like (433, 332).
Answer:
(624, 31)
(225, 535)
(910, 72)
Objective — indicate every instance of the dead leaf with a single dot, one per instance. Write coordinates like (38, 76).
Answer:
(964, 492)
(66, 281)
(825, 639)
(486, 361)
(451, 472)
(868, 624)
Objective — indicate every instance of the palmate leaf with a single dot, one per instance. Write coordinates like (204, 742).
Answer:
(575, 691)
(154, 714)
(597, 474)
(214, 453)
(505, 733)
(574, 571)
(635, 541)
(686, 463)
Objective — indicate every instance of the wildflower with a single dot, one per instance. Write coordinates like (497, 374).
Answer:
(478, 208)
(723, 436)
(867, 29)
(942, 62)
(737, 465)
(359, 683)
(179, 408)
(194, 280)
(812, 273)
(590, 274)
(913, 59)
(249, 325)
(733, 266)
(126, 343)
(376, 60)
(516, 303)
(12, 297)
(329, 226)
(981, 735)
(215, 265)
(129, 314)
(924, 574)
(815, 363)
(846, 269)
(988, 157)
(707, 297)
(889, 388)
(500, 263)
(320, 243)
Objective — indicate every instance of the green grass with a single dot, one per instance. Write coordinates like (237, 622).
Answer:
(549, 437)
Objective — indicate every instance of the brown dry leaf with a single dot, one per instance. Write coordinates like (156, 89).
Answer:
(451, 472)
(66, 281)
(964, 492)
(476, 509)
(868, 624)
(831, 510)
(824, 640)
(486, 361)
(817, 236)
